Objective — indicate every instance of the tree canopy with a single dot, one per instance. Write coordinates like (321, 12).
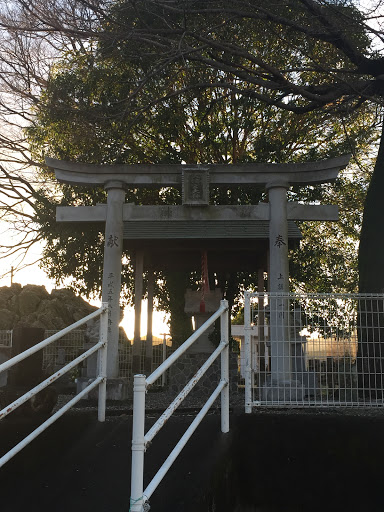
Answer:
(170, 81)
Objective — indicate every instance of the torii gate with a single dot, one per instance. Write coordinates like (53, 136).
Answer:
(194, 181)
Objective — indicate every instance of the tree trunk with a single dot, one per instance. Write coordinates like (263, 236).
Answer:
(180, 322)
(370, 355)
(371, 249)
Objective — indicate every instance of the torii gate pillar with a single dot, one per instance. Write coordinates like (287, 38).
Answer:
(278, 238)
(113, 250)
(278, 282)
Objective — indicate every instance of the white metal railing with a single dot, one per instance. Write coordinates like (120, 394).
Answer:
(140, 440)
(312, 349)
(100, 381)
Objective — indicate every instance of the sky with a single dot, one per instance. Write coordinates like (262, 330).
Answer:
(35, 275)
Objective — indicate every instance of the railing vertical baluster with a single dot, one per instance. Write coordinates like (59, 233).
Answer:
(247, 353)
(224, 328)
(102, 364)
(164, 353)
(138, 446)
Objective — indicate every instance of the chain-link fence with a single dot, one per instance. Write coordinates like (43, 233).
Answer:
(5, 338)
(63, 351)
(70, 346)
(316, 349)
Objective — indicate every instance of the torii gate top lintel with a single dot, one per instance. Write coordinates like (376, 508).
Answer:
(307, 173)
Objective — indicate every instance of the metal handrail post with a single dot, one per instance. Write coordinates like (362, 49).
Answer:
(224, 328)
(138, 445)
(247, 353)
(164, 352)
(102, 363)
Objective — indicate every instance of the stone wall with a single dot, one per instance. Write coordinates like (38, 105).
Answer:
(182, 371)
(34, 306)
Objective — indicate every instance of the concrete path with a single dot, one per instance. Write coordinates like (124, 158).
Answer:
(81, 465)
(271, 461)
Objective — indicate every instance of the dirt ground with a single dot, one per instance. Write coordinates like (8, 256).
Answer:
(270, 461)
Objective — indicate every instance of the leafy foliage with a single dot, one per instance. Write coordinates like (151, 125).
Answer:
(112, 101)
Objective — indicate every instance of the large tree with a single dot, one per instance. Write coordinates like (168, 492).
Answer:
(330, 59)
(82, 115)
(113, 95)
(337, 67)
(308, 56)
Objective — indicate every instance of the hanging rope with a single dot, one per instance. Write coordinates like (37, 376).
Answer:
(204, 280)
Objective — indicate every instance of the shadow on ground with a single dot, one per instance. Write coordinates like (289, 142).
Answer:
(269, 462)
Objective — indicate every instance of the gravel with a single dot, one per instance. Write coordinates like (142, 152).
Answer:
(157, 402)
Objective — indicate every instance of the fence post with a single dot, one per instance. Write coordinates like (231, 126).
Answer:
(224, 328)
(164, 357)
(102, 363)
(247, 352)
(138, 446)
